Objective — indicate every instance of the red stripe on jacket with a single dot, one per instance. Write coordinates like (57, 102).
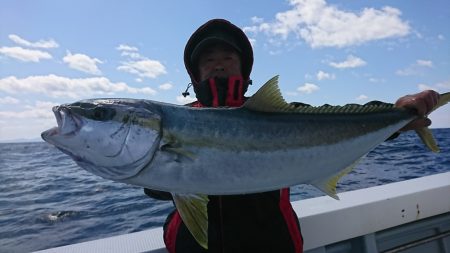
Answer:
(291, 220)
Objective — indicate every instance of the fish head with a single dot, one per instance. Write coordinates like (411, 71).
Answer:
(112, 138)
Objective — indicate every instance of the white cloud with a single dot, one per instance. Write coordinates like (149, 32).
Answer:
(130, 52)
(143, 68)
(185, 100)
(308, 88)
(9, 100)
(405, 72)
(377, 80)
(324, 25)
(350, 62)
(26, 55)
(321, 75)
(444, 85)
(424, 63)
(252, 42)
(415, 69)
(362, 97)
(250, 29)
(123, 47)
(132, 55)
(257, 20)
(423, 87)
(83, 63)
(58, 86)
(441, 37)
(39, 110)
(275, 52)
(26, 122)
(166, 86)
(39, 44)
(24, 129)
(139, 65)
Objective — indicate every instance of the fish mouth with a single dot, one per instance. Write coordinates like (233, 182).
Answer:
(67, 123)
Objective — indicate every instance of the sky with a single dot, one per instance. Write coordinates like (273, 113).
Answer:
(335, 52)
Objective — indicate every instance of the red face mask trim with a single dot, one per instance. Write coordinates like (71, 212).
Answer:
(235, 98)
(215, 92)
(215, 96)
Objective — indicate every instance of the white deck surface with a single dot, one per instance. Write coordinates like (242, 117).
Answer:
(323, 219)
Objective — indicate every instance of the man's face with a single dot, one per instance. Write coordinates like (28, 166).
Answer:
(219, 61)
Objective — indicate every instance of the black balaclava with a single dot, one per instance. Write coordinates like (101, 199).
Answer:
(218, 31)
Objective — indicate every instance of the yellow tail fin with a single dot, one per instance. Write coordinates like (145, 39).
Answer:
(425, 133)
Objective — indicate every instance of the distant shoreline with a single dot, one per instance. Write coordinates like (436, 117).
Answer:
(21, 141)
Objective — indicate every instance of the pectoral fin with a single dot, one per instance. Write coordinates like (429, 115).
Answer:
(194, 213)
(179, 151)
(169, 143)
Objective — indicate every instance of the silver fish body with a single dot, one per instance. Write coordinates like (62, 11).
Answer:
(267, 144)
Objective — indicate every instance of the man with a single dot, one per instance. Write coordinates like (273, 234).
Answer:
(219, 59)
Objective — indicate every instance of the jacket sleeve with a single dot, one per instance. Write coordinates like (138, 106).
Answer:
(159, 195)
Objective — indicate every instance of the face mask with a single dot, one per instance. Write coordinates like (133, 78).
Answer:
(220, 91)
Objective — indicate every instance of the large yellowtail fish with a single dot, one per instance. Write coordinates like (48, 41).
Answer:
(264, 145)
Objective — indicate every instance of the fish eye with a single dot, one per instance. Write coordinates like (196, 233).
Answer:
(103, 114)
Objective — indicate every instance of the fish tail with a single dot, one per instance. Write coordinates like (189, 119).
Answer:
(427, 138)
(425, 133)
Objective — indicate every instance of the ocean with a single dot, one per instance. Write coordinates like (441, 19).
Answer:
(46, 200)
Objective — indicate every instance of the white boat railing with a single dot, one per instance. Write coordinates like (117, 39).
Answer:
(325, 221)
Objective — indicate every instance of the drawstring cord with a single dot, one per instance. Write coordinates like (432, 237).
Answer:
(186, 92)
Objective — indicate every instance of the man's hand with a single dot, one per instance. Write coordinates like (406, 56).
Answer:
(423, 103)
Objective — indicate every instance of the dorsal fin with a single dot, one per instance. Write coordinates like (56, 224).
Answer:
(268, 98)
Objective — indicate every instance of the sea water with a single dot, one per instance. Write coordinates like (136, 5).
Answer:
(46, 200)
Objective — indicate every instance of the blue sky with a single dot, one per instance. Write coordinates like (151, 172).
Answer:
(336, 52)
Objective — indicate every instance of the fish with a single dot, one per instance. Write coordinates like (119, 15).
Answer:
(264, 145)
